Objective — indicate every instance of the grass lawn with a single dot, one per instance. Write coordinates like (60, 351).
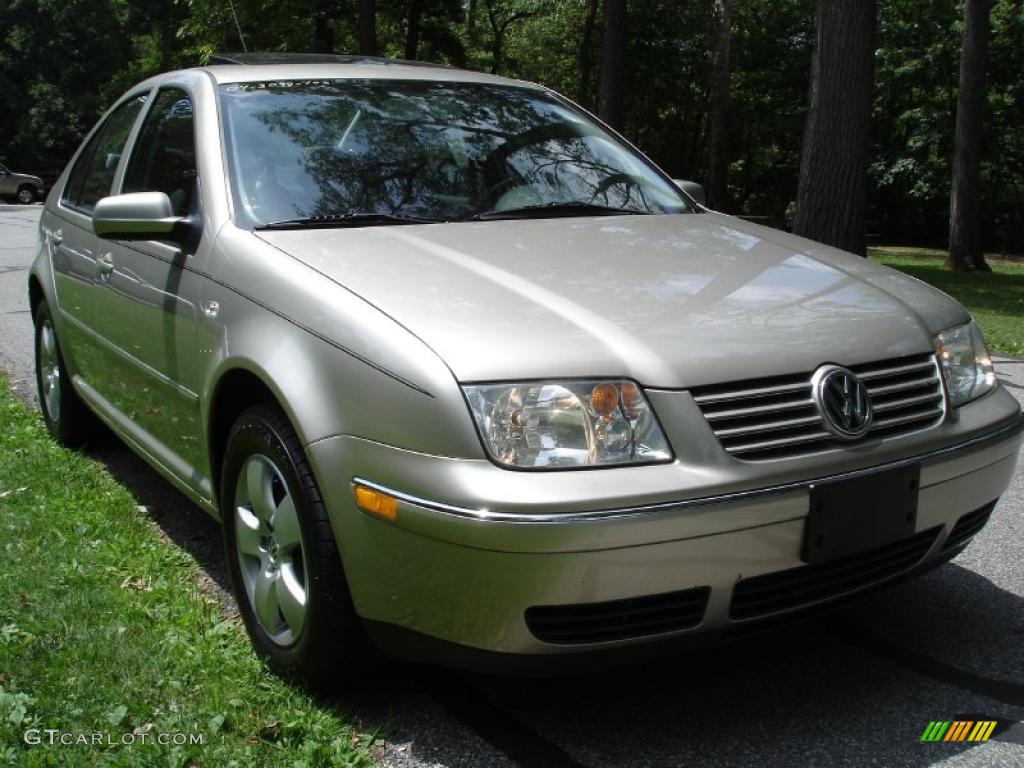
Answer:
(995, 299)
(104, 632)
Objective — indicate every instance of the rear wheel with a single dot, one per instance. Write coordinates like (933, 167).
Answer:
(282, 558)
(26, 195)
(67, 418)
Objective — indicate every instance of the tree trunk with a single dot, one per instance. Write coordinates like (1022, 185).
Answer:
(833, 165)
(368, 27)
(471, 20)
(719, 107)
(587, 55)
(323, 31)
(412, 31)
(965, 242)
(613, 54)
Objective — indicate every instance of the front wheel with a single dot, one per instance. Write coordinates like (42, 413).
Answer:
(282, 558)
(26, 195)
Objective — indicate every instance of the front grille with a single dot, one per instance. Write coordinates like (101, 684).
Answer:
(967, 527)
(618, 619)
(776, 417)
(797, 587)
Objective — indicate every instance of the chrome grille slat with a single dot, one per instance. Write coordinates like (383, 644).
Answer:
(776, 418)
(780, 389)
(894, 421)
(890, 389)
(870, 375)
(771, 426)
(781, 442)
(890, 405)
(757, 410)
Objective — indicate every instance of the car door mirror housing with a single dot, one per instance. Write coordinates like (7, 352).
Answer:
(693, 189)
(139, 216)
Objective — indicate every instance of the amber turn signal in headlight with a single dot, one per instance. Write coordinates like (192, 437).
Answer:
(376, 503)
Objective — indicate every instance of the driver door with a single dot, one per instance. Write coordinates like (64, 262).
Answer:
(146, 308)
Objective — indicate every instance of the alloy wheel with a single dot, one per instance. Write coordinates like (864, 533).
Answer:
(269, 547)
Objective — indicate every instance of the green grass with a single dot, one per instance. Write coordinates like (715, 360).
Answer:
(995, 299)
(104, 630)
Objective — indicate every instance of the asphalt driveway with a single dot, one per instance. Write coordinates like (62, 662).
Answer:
(856, 687)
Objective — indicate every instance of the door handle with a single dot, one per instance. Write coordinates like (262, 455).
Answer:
(105, 264)
(57, 237)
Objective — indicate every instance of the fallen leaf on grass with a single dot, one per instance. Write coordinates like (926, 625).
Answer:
(140, 584)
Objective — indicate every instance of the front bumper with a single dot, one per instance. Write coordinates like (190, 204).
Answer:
(469, 575)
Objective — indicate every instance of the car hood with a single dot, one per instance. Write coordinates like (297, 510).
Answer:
(671, 301)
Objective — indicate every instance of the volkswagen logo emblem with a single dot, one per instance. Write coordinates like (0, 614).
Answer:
(842, 399)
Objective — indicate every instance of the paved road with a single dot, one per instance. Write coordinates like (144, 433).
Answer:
(854, 688)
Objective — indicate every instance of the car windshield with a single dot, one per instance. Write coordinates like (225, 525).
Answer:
(365, 152)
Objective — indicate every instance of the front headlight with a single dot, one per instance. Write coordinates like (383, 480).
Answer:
(557, 424)
(966, 365)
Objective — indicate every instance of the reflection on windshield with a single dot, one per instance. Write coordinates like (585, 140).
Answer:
(439, 151)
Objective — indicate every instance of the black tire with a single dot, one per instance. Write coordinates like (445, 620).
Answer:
(331, 648)
(25, 195)
(71, 422)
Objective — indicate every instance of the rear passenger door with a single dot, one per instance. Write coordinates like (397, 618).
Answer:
(71, 242)
(147, 297)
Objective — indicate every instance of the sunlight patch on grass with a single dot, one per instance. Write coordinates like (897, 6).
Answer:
(995, 299)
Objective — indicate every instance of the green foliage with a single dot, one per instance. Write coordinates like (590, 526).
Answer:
(62, 61)
(104, 629)
(995, 299)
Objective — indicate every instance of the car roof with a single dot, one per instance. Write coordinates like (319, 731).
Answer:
(258, 67)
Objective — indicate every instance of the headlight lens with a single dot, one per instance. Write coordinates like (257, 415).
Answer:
(966, 364)
(558, 424)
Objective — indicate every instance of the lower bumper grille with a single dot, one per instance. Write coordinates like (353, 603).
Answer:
(618, 619)
(968, 526)
(797, 587)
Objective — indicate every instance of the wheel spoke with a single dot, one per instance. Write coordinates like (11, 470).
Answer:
(291, 596)
(286, 524)
(249, 532)
(257, 480)
(264, 601)
(49, 344)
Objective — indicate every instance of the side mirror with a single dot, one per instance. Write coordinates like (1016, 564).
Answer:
(139, 216)
(693, 189)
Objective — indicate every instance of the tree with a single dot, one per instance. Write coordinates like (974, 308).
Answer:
(499, 27)
(412, 29)
(833, 167)
(586, 54)
(966, 249)
(368, 27)
(613, 55)
(323, 27)
(719, 106)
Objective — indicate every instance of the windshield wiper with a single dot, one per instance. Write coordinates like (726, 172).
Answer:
(557, 209)
(355, 219)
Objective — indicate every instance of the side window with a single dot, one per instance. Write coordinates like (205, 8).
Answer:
(164, 158)
(93, 173)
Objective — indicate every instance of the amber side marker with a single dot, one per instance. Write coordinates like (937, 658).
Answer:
(376, 503)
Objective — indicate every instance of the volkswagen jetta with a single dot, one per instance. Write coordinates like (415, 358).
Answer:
(467, 378)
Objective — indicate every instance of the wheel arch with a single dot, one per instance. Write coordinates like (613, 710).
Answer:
(35, 293)
(236, 390)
